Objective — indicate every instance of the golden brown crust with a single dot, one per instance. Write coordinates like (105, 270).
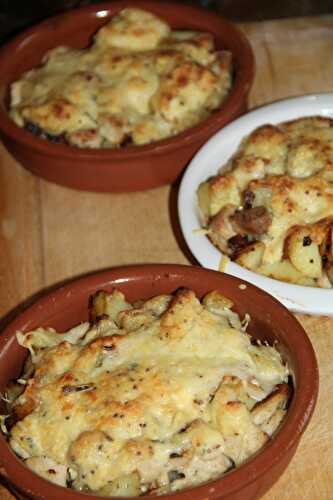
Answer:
(139, 82)
(157, 394)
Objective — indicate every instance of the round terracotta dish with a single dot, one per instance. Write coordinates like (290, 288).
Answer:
(269, 320)
(130, 168)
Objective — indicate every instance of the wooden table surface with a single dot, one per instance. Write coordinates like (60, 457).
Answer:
(49, 233)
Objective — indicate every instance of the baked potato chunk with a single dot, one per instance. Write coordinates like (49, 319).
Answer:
(251, 256)
(269, 412)
(203, 194)
(303, 253)
(285, 271)
(108, 304)
(216, 302)
(125, 486)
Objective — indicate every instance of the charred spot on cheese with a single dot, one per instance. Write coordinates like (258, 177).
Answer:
(33, 128)
(126, 406)
(37, 131)
(109, 347)
(138, 82)
(173, 475)
(307, 241)
(67, 389)
(237, 243)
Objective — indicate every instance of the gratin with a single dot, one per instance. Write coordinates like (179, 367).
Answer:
(137, 83)
(270, 208)
(153, 396)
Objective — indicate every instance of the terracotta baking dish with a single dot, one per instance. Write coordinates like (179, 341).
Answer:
(129, 168)
(269, 320)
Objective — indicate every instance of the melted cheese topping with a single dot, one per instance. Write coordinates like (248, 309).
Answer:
(138, 82)
(152, 397)
(286, 169)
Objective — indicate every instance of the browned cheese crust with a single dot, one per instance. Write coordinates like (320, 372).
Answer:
(137, 83)
(151, 397)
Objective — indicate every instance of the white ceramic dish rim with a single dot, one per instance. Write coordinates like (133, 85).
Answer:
(208, 160)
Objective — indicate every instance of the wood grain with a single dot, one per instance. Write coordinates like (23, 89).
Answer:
(49, 234)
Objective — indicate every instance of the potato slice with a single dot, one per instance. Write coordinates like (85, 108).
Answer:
(242, 436)
(326, 246)
(221, 228)
(329, 273)
(285, 271)
(133, 319)
(48, 469)
(215, 302)
(274, 422)
(265, 409)
(216, 193)
(203, 194)
(124, 486)
(251, 256)
(109, 304)
(304, 254)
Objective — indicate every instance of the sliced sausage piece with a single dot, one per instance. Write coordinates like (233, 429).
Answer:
(254, 220)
